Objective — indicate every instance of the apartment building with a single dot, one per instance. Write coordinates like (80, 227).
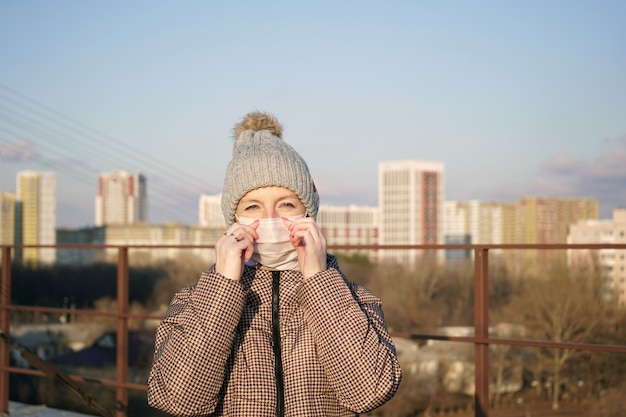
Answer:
(152, 237)
(611, 263)
(210, 211)
(410, 200)
(478, 222)
(350, 225)
(122, 198)
(35, 216)
(456, 230)
(8, 202)
(546, 220)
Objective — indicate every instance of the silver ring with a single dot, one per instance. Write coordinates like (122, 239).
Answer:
(234, 236)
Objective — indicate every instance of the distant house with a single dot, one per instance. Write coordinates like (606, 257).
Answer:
(51, 339)
(450, 365)
(99, 359)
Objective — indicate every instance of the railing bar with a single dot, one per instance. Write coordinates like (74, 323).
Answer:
(481, 330)
(338, 246)
(77, 378)
(598, 347)
(58, 310)
(121, 394)
(84, 312)
(5, 324)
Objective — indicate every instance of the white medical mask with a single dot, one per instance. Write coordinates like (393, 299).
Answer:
(273, 249)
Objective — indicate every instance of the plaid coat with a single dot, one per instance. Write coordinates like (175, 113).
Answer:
(214, 352)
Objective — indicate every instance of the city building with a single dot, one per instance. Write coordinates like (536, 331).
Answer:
(410, 200)
(122, 198)
(609, 263)
(456, 230)
(210, 211)
(152, 237)
(546, 220)
(36, 216)
(478, 222)
(350, 225)
(83, 236)
(8, 203)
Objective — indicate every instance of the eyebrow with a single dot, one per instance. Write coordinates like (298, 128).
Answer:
(286, 196)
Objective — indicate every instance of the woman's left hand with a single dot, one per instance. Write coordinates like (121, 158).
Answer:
(310, 245)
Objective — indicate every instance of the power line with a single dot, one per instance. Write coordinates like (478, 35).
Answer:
(32, 127)
(79, 149)
(84, 174)
(106, 142)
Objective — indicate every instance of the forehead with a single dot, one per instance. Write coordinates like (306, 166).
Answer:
(269, 193)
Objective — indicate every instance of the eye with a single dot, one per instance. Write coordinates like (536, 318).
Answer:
(287, 204)
(251, 207)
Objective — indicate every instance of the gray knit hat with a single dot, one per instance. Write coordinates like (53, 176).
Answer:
(262, 159)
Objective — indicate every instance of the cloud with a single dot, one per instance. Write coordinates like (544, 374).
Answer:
(20, 150)
(602, 177)
(606, 172)
(560, 164)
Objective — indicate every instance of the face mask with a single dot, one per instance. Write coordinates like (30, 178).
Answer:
(273, 249)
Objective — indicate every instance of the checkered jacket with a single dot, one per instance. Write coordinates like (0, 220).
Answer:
(214, 356)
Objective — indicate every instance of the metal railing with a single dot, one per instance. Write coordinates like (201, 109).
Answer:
(481, 339)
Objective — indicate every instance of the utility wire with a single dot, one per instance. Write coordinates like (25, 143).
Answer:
(84, 172)
(97, 146)
(167, 184)
(104, 141)
(77, 171)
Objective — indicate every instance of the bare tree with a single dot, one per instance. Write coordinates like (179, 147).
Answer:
(560, 307)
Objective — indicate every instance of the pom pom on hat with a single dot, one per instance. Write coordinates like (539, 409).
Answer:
(261, 158)
(258, 121)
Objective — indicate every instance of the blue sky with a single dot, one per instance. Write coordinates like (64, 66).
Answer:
(515, 98)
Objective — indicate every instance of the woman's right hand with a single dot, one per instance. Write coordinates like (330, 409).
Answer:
(235, 247)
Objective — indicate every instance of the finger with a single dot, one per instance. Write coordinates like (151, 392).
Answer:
(248, 252)
(299, 237)
(288, 223)
(240, 231)
(308, 232)
(299, 224)
(250, 229)
(232, 235)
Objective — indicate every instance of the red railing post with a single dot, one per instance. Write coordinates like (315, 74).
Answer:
(481, 331)
(121, 392)
(5, 323)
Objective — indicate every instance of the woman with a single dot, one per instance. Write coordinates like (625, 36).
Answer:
(273, 328)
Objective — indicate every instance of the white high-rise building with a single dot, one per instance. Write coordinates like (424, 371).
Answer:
(477, 222)
(410, 199)
(456, 218)
(456, 229)
(36, 202)
(612, 262)
(210, 211)
(122, 198)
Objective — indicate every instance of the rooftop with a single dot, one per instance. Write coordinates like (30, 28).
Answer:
(25, 410)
